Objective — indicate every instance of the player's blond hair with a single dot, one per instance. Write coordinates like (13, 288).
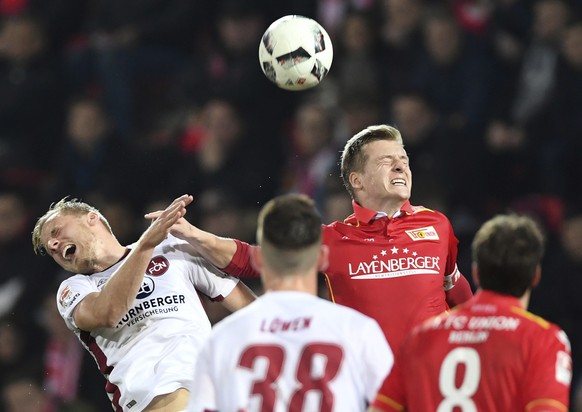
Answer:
(63, 207)
(354, 158)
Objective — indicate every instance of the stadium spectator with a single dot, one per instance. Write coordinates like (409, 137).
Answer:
(401, 36)
(92, 157)
(19, 291)
(357, 65)
(123, 44)
(31, 101)
(224, 158)
(446, 69)
(22, 392)
(536, 77)
(312, 154)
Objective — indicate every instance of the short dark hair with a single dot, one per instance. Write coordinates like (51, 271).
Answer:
(289, 233)
(507, 249)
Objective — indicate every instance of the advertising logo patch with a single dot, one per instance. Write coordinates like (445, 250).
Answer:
(146, 289)
(423, 233)
(67, 297)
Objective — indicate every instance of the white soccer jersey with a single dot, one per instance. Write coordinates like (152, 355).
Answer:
(153, 348)
(291, 351)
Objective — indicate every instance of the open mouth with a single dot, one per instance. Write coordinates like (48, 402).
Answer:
(69, 251)
(398, 182)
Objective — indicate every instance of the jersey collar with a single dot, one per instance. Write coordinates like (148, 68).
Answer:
(364, 215)
(490, 297)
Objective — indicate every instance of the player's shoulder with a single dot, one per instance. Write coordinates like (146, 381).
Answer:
(79, 279)
(424, 212)
(534, 321)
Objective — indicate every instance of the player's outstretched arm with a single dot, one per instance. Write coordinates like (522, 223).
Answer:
(107, 307)
(215, 249)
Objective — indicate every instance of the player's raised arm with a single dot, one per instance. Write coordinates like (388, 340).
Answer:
(105, 308)
(230, 255)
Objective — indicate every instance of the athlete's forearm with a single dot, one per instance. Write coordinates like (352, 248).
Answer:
(215, 249)
(106, 308)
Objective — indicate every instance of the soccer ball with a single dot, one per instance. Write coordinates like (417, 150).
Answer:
(295, 53)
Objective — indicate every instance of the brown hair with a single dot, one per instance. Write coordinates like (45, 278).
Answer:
(507, 250)
(289, 233)
(354, 159)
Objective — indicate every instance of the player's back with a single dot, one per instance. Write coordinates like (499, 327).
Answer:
(293, 351)
(488, 355)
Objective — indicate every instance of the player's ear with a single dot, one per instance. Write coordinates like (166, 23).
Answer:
(323, 261)
(537, 276)
(257, 258)
(475, 273)
(92, 218)
(355, 180)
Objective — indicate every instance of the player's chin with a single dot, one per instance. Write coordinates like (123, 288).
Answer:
(403, 192)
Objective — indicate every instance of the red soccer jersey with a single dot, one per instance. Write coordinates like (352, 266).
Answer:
(488, 354)
(394, 270)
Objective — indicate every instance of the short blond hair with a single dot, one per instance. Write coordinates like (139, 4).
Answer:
(65, 207)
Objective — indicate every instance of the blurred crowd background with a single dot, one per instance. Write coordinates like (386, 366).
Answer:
(128, 104)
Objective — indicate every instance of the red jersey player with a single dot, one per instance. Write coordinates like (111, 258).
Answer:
(489, 354)
(389, 260)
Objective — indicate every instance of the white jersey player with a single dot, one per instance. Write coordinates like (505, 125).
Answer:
(147, 350)
(291, 350)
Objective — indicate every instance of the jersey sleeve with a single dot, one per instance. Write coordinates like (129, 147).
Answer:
(210, 280)
(240, 265)
(549, 373)
(451, 270)
(70, 293)
(457, 287)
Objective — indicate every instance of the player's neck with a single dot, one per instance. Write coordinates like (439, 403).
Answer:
(390, 207)
(305, 282)
(111, 257)
(524, 300)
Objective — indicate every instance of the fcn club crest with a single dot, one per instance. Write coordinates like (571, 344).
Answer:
(158, 266)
